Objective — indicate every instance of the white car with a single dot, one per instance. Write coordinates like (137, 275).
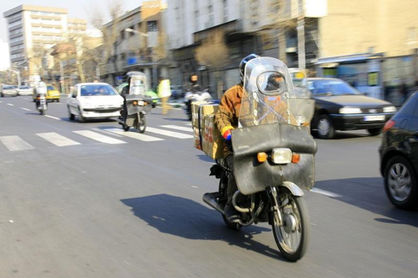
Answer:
(94, 101)
(25, 91)
(8, 90)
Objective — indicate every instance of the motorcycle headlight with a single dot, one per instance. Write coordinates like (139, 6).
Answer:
(350, 110)
(281, 155)
(389, 109)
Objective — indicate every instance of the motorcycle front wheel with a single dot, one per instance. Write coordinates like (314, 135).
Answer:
(142, 124)
(293, 236)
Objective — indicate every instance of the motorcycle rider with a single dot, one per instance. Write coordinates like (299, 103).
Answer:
(124, 93)
(41, 91)
(226, 119)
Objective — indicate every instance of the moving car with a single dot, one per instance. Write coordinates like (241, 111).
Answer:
(399, 155)
(338, 106)
(25, 91)
(8, 90)
(52, 94)
(94, 101)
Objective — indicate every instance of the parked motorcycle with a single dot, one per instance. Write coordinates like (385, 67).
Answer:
(136, 103)
(272, 159)
(40, 100)
(195, 95)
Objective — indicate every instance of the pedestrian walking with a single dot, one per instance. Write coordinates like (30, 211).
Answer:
(164, 93)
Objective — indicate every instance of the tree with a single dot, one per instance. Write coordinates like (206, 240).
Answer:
(213, 53)
(110, 31)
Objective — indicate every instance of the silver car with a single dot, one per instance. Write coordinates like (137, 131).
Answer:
(25, 91)
(8, 90)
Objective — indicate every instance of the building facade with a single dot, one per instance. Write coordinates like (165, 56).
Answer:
(32, 31)
(371, 44)
(136, 41)
(247, 26)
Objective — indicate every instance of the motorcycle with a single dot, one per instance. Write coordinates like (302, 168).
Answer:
(272, 159)
(40, 101)
(195, 96)
(136, 104)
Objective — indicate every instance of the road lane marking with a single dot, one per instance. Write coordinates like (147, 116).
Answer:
(57, 139)
(98, 137)
(15, 143)
(169, 133)
(326, 193)
(10, 104)
(182, 128)
(107, 132)
(26, 109)
(135, 135)
(52, 117)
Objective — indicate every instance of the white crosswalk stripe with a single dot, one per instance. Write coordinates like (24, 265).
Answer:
(98, 137)
(135, 135)
(57, 140)
(181, 128)
(15, 143)
(10, 104)
(168, 133)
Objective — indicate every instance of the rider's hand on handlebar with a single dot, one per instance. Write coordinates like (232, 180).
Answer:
(226, 132)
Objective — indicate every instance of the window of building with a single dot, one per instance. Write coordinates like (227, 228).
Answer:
(196, 20)
(225, 10)
(211, 19)
(152, 26)
(131, 33)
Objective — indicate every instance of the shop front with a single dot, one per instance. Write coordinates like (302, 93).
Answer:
(362, 71)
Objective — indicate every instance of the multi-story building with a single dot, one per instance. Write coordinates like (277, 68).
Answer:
(247, 26)
(33, 30)
(371, 44)
(136, 41)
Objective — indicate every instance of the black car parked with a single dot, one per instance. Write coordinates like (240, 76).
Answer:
(338, 106)
(399, 155)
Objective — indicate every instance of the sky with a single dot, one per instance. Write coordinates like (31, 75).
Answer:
(76, 8)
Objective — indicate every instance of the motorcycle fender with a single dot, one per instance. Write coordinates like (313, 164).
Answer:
(293, 188)
(130, 121)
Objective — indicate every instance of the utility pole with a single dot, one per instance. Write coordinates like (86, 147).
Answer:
(301, 35)
(62, 78)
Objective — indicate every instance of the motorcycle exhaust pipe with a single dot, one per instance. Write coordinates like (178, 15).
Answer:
(240, 209)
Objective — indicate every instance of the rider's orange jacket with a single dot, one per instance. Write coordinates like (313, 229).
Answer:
(228, 113)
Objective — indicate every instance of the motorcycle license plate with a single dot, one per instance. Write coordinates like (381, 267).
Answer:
(140, 103)
(374, 118)
(42, 101)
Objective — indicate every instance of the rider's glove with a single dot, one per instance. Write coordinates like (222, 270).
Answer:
(226, 132)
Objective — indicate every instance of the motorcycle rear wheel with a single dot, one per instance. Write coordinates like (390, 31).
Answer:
(293, 236)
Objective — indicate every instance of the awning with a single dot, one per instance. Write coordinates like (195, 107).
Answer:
(325, 62)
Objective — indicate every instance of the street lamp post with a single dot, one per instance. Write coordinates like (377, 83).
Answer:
(154, 66)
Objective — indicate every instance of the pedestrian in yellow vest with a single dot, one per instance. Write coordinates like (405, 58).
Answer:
(164, 93)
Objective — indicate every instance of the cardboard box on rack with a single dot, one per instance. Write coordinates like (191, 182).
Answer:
(212, 140)
(206, 134)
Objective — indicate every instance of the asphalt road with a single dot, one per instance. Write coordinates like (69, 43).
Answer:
(85, 200)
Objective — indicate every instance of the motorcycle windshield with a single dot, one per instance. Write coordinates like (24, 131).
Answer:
(269, 96)
(137, 86)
